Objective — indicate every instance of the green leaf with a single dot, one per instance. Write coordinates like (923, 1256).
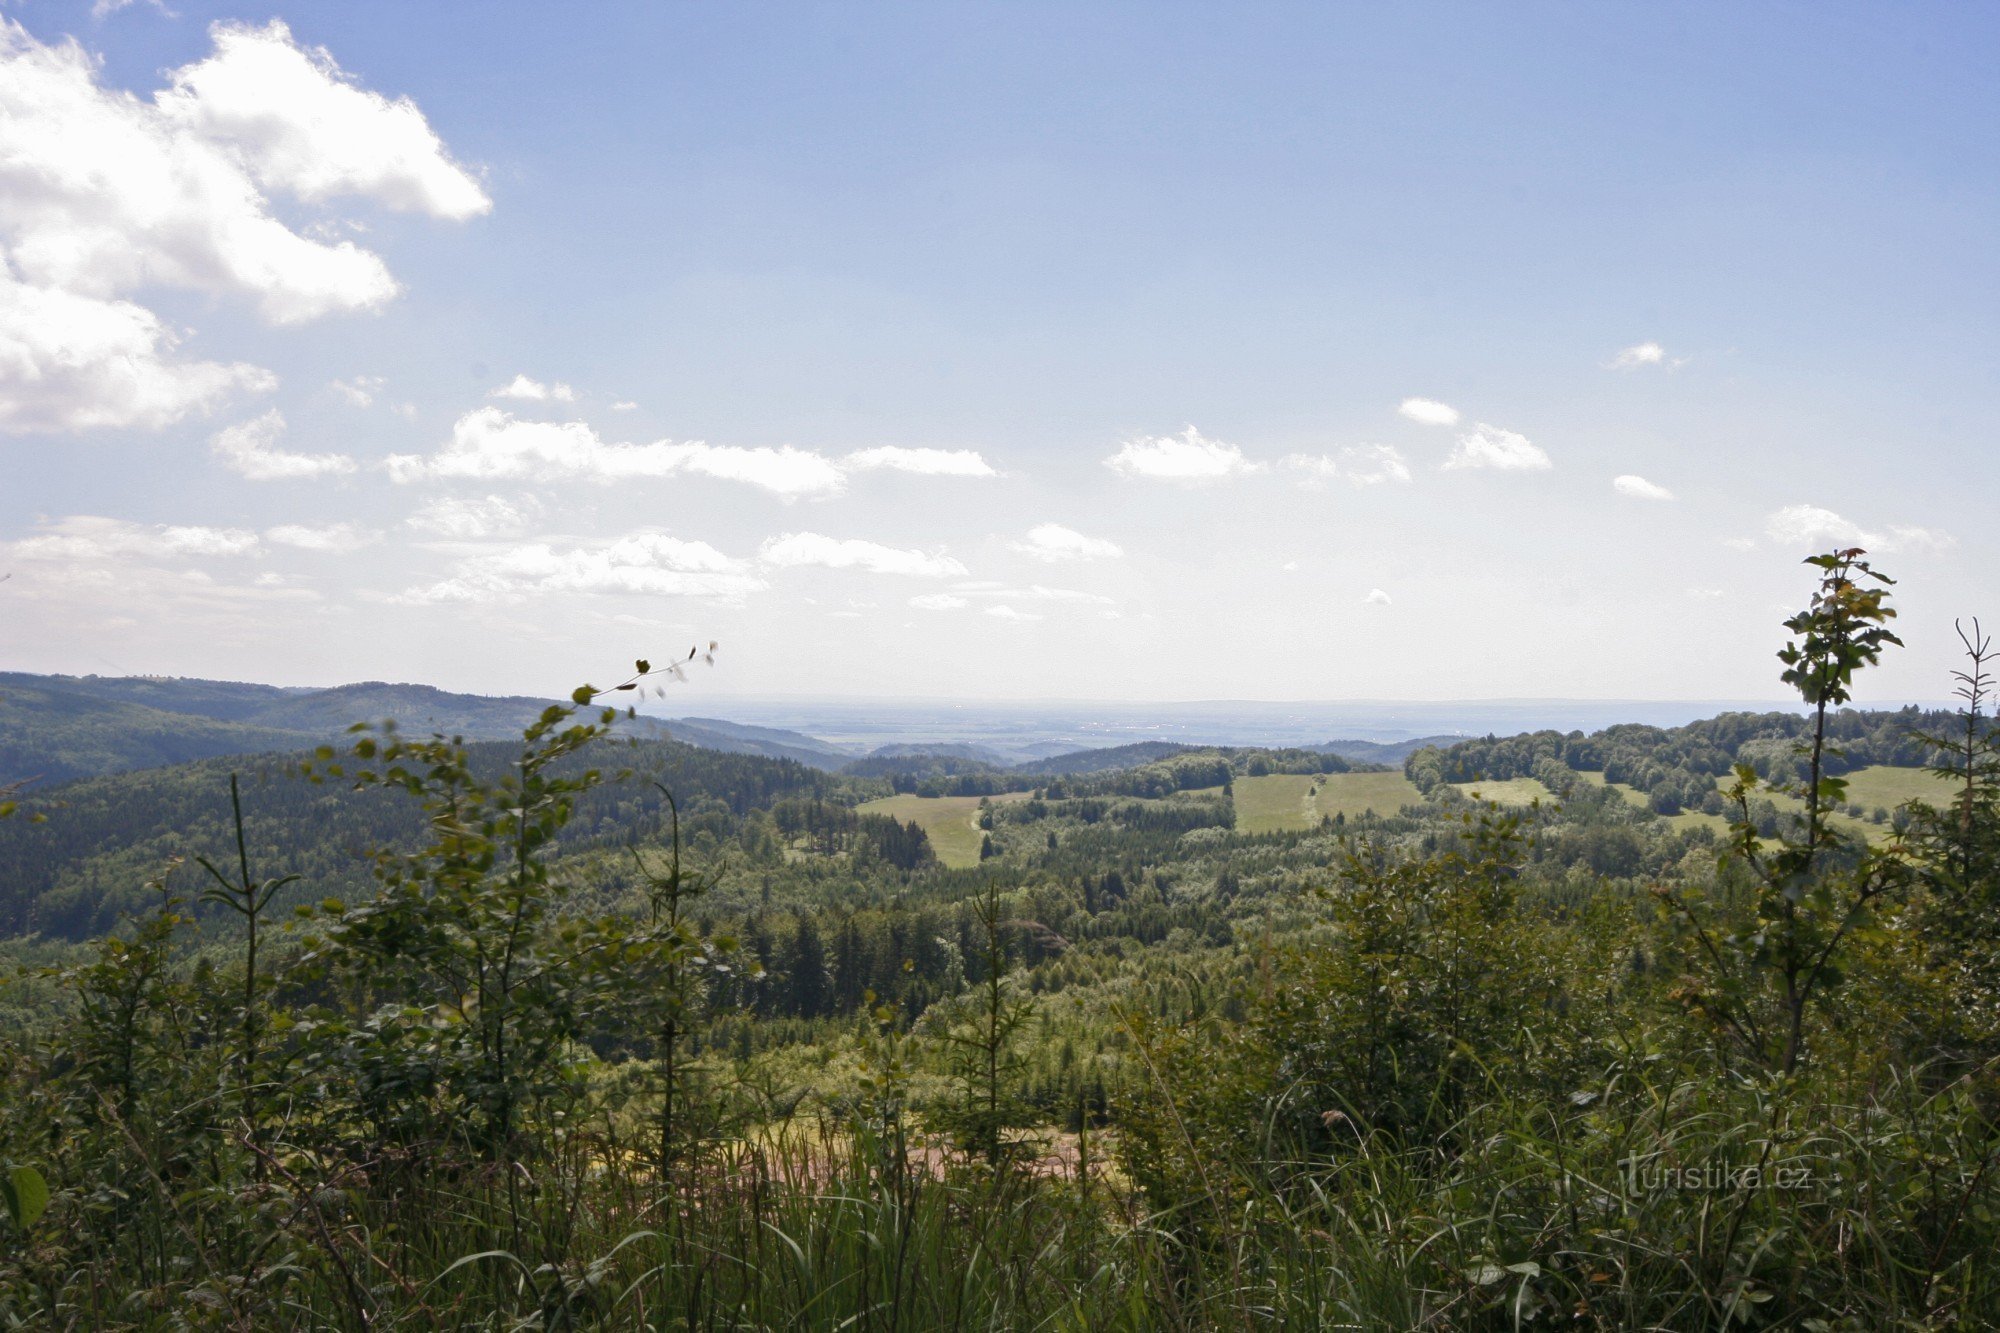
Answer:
(26, 1195)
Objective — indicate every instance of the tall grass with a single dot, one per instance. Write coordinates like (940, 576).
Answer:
(1869, 1214)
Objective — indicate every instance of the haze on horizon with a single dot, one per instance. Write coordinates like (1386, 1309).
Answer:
(1134, 353)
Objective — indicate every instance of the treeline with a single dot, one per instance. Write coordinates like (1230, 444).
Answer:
(1677, 767)
(831, 829)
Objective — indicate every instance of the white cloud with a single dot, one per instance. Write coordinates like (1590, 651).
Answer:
(71, 362)
(1809, 525)
(332, 538)
(1373, 464)
(1706, 594)
(639, 564)
(1357, 465)
(103, 193)
(1429, 412)
(250, 449)
(1375, 597)
(795, 549)
(1805, 525)
(1004, 612)
(298, 123)
(85, 537)
(939, 601)
(1184, 457)
(1644, 354)
(359, 391)
(929, 462)
(1502, 450)
(1639, 488)
(534, 391)
(624, 405)
(491, 443)
(1053, 542)
(1316, 467)
(463, 520)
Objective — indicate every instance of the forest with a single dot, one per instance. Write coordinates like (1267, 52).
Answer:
(591, 1028)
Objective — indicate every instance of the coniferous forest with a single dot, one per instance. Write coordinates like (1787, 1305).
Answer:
(1653, 1028)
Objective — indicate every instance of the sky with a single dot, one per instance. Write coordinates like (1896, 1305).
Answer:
(1008, 351)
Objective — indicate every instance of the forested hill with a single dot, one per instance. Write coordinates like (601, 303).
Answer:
(50, 735)
(1677, 767)
(56, 728)
(73, 875)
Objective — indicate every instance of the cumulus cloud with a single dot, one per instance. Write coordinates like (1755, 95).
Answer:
(70, 361)
(534, 391)
(490, 443)
(333, 538)
(1375, 597)
(624, 405)
(796, 549)
(298, 123)
(928, 462)
(466, 520)
(639, 564)
(1357, 465)
(1502, 450)
(251, 449)
(1644, 354)
(1184, 457)
(1429, 412)
(359, 391)
(939, 601)
(1805, 525)
(1054, 542)
(1639, 488)
(87, 537)
(103, 193)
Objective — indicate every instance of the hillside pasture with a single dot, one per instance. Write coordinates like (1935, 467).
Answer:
(1288, 802)
(951, 822)
(1507, 791)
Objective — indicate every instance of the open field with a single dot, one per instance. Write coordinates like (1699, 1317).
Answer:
(1889, 787)
(1877, 785)
(952, 822)
(1508, 791)
(1279, 802)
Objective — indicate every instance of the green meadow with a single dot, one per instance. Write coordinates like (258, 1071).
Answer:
(951, 822)
(1281, 802)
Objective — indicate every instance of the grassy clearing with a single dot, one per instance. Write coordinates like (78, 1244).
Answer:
(1280, 802)
(1509, 791)
(952, 822)
(1879, 784)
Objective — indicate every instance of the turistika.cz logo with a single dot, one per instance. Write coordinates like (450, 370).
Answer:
(1713, 1177)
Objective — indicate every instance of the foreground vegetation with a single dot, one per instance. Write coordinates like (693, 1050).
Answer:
(644, 1037)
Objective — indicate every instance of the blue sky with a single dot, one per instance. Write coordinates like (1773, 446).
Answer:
(745, 250)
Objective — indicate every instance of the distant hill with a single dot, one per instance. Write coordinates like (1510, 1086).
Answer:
(72, 876)
(1103, 760)
(1388, 753)
(771, 742)
(304, 712)
(52, 735)
(56, 728)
